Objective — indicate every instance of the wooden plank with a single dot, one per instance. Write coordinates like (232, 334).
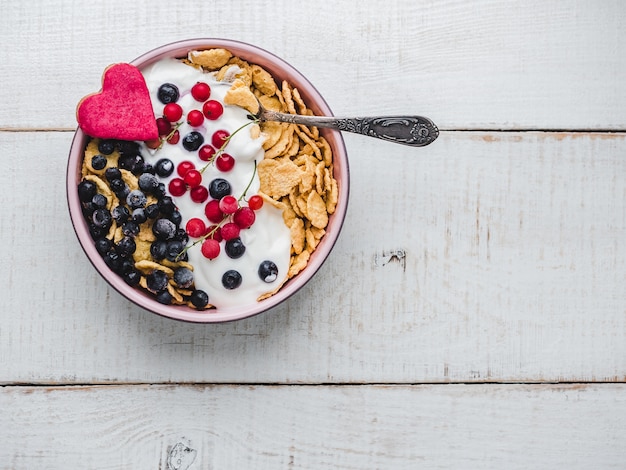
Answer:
(484, 257)
(530, 64)
(326, 427)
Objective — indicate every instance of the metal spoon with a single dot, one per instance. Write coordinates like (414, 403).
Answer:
(416, 131)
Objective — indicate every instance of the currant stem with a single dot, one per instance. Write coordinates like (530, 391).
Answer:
(220, 150)
(202, 238)
(169, 136)
(249, 184)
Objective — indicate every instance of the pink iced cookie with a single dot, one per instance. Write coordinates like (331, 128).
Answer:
(121, 110)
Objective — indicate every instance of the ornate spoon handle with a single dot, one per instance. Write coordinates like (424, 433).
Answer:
(416, 131)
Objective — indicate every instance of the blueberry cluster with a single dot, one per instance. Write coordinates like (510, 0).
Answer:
(132, 211)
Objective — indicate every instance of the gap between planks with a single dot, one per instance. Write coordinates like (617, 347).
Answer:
(569, 384)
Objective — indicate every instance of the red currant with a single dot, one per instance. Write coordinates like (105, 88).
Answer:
(219, 138)
(213, 212)
(183, 167)
(164, 126)
(206, 152)
(212, 109)
(225, 162)
(228, 205)
(195, 118)
(210, 248)
(153, 144)
(177, 187)
(201, 91)
(230, 231)
(172, 112)
(214, 232)
(196, 228)
(244, 217)
(255, 202)
(193, 178)
(199, 194)
(174, 138)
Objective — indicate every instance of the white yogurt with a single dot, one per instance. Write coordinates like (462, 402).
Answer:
(268, 238)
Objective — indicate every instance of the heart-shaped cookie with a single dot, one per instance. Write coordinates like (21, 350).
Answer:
(121, 110)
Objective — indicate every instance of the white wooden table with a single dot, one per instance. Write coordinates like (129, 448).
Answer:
(472, 314)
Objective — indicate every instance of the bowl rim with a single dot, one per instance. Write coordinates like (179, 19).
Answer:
(318, 257)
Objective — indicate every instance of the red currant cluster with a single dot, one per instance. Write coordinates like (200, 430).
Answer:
(227, 217)
(215, 153)
(188, 178)
(169, 123)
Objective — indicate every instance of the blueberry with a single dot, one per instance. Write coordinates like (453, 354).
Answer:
(131, 162)
(148, 168)
(139, 215)
(106, 146)
(158, 249)
(97, 232)
(193, 141)
(176, 217)
(113, 260)
(118, 185)
(168, 93)
(160, 191)
(148, 182)
(130, 228)
(164, 167)
(183, 277)
(199, 298)
(132, 277)
(128, 147)
(120, 214)
(136, 198)
(120, 188)
(113, 173)
(102, 219)
(268, 271)
(156, 281)
(182, 235)
(164, 297)
(128, 264)
(98, 162)
(235, 248)
(123, 193)
(86, 190)
(152, 211)
(99, 201)
(231, 279)
(103, 245)
(218, 188)
(164, 229)
(126, 247)
(87, 208)
(174, 250)
(166, 205)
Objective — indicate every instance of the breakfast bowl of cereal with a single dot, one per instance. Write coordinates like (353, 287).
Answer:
(185, 201)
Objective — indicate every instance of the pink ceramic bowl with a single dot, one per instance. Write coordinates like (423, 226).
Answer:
(281, 71)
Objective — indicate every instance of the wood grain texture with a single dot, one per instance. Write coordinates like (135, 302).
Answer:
(365, 427)
(484, 257)
(481, 65)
